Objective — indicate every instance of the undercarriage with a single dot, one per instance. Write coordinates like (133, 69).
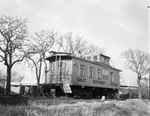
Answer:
(80, 91)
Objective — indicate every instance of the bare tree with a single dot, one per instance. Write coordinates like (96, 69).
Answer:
(68, 44)
(137, 61)
(92, 49)
(15, 76)
(40, 44)
(13, 32)
(77, 45)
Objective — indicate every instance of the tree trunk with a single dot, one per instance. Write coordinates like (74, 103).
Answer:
(139, 87)
(38, 88)
(8, 84)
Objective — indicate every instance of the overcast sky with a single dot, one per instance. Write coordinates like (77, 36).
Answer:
(115, 25)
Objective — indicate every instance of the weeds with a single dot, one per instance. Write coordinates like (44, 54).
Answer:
(111, 108)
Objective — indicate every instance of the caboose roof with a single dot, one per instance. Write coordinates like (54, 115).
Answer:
(63, 57)
(97, 55)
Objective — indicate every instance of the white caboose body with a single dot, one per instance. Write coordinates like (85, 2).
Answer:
(83, 76)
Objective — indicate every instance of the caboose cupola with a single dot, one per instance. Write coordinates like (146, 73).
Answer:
(98, 58)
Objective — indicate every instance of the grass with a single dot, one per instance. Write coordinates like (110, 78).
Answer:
(132, 107)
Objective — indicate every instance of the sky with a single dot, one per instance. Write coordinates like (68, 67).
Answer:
(115, 25)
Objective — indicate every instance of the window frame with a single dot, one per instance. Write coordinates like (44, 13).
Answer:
(95, 58)
(105, 74)
(91, 72)
(112, 76)
(83, 71)
(89, 58)
(99, 70)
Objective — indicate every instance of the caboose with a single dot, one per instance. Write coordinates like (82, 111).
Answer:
(83, 76)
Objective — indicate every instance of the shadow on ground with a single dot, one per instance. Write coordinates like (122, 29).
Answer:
(13, 100)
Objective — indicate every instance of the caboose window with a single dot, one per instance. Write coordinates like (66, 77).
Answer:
(95, 58)
(106, 60)
(99, 74)
(105, 74)
(91, 72)
(112, 76)
(82, 70)
(89, 58)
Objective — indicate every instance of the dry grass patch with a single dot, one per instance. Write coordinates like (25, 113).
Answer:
(136, 106)
(12, 111)
(82, 108)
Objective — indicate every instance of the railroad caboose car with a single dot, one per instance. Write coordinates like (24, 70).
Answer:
(88, 76)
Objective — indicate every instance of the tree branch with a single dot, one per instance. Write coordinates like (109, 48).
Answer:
(137, 61)
(2, 58)
(18, 60)
(2, 50)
